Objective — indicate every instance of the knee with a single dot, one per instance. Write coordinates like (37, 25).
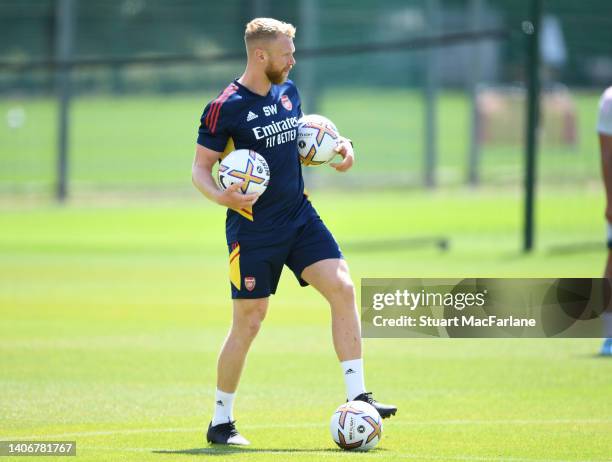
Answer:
(248, 323)
(348, 288)
(253, 325)
(344, 287)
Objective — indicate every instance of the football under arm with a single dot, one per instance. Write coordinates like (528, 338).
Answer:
(201, 172)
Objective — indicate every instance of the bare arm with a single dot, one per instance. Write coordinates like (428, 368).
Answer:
(201, 175)
(605, 143)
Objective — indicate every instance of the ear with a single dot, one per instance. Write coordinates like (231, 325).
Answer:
(260, 55)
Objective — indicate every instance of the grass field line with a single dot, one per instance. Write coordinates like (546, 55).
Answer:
(129, 431)
(333, 453)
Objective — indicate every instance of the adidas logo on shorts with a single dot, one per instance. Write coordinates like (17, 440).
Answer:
(251, 116)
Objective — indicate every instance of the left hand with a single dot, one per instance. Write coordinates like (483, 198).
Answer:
(345, 149)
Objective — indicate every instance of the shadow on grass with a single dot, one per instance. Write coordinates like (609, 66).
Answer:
(576, 248)
(393, 244)
(228, 450)
(600, 356)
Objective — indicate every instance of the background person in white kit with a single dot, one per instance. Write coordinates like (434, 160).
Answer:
(604, 128)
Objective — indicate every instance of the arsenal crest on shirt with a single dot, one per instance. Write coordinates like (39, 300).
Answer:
(249, 283)
(286, 102)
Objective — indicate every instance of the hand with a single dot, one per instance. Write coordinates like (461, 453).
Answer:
(233, 199)
(345, 149)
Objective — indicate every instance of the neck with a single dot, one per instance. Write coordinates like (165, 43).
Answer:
(255, 80)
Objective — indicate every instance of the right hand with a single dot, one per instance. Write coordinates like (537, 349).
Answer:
(234, 199)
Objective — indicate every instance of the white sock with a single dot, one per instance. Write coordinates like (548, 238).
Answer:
(353, 377)
(224, 407)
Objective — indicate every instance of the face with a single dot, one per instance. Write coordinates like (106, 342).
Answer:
(279, 59)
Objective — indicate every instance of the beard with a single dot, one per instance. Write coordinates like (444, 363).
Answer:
(276, 76)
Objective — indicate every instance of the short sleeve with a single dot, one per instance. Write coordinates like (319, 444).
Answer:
(604, 120)
(214, 130)
(299, 105)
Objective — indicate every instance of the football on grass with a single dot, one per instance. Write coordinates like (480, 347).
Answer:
(356, 426)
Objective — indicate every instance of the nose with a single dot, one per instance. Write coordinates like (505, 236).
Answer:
(292, 61)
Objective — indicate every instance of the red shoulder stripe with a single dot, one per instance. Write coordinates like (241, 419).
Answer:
(222, 100)
(214, 104)
(215, 108)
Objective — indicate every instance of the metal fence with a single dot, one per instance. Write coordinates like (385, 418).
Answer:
(432, 92)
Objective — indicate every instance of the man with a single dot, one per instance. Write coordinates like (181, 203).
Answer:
(604, 128)
(279, 228)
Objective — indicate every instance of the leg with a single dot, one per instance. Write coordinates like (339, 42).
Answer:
(606, 347)
(255, 269)
(608, 269)
(332, 279)
(247, 318)
(605, 144)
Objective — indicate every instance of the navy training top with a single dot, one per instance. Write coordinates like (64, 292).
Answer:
(241, 119)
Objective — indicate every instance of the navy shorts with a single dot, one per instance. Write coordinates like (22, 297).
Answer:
(256, 264)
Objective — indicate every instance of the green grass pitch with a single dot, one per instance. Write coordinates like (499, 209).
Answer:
(111, 317)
